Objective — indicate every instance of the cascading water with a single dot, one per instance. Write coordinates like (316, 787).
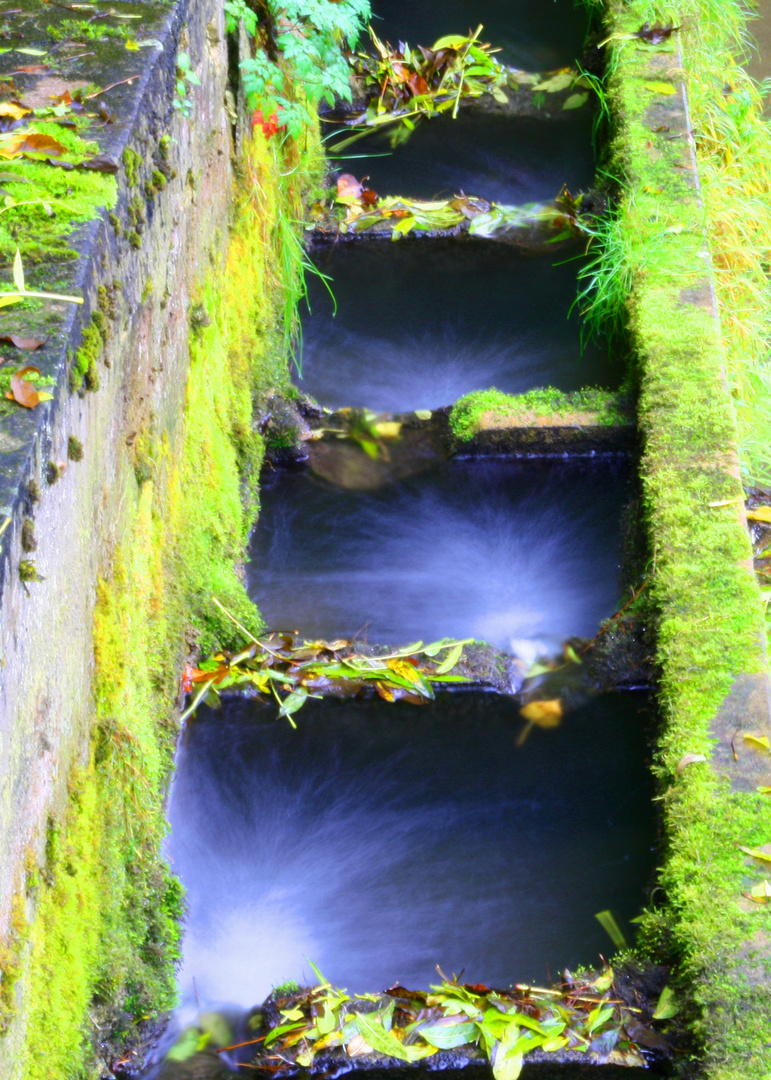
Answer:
(496, 550)
(421, 323)
(379, 841)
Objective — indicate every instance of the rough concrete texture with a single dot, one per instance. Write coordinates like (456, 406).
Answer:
(47, 648)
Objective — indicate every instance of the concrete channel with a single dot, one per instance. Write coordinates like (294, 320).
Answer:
(128, 496)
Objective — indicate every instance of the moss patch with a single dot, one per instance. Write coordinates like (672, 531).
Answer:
(706, 604)
(543, 406)
(51, 202)
(106, 933)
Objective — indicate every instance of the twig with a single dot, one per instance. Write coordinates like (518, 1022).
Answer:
(112, 86)
(234, 620)
(237, 1046)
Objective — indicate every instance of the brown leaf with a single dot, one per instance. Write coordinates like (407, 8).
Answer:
(31, 143)
(22, 391)
(417, 84)
(369, 197)
(22, 342)
(348, 189)
(688, 759)
(654, 35)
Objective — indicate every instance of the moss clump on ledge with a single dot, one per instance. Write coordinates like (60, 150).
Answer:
(541, 407)
(55, 201)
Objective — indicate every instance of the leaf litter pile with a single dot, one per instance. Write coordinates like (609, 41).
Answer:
(280, 664)
(404, 85)
(364, 208)
(597, 1018)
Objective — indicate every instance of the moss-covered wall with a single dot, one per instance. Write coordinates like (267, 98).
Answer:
(139, 512)
(711, 644)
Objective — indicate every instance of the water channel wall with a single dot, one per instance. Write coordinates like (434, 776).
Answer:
(126, 503)
(712, 650)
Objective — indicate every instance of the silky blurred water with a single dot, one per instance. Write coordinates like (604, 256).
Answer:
(420, 324)
(497, 550)
(380, 840)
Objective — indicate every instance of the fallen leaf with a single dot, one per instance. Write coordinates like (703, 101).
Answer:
(13, 110)
(758, 742)
(546, 714)
(760, 513)
(658, 87)
(688, 759)
(667, 1006)
(757, 853)
(358, 1046)
(561, 80)
(30, 142)
(575, 101)
(22, 391)
(102, 164)
(655, 34)
(348, 189)
(22, 342)
(760, 893)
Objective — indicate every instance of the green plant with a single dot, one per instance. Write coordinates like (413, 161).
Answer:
(22, 292)
(186, 78)
(298, 41)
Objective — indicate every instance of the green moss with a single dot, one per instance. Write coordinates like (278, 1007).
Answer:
(536, 406)
(137, 213)
(148, 290)
(74, 197)
(74, 449)
(28, 542)
(84, 30)
(84, 372)
(11, 959)
(132, 162)
(28, 571)
(116, 224)
(703, 596)
(134, 239)
(107, 922)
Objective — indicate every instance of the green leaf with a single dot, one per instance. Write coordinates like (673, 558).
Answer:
(373, 1032)
(292, 703)
(282, 1029)
(507, 1066)
(18, 272)
(450, 41)
(450, 660)
(597, 1017)
(575, 101)
(667, 1006)
(611, 928)
(448, 1036)
(658, 87)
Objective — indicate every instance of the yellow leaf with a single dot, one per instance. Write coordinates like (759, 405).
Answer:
(387, 429)
(131, 45)
(760, 743)
(760, 893)
(760, 513)
(546, 714)
(757, 853)
(7, 108)
(658, 87)
(407, 671)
